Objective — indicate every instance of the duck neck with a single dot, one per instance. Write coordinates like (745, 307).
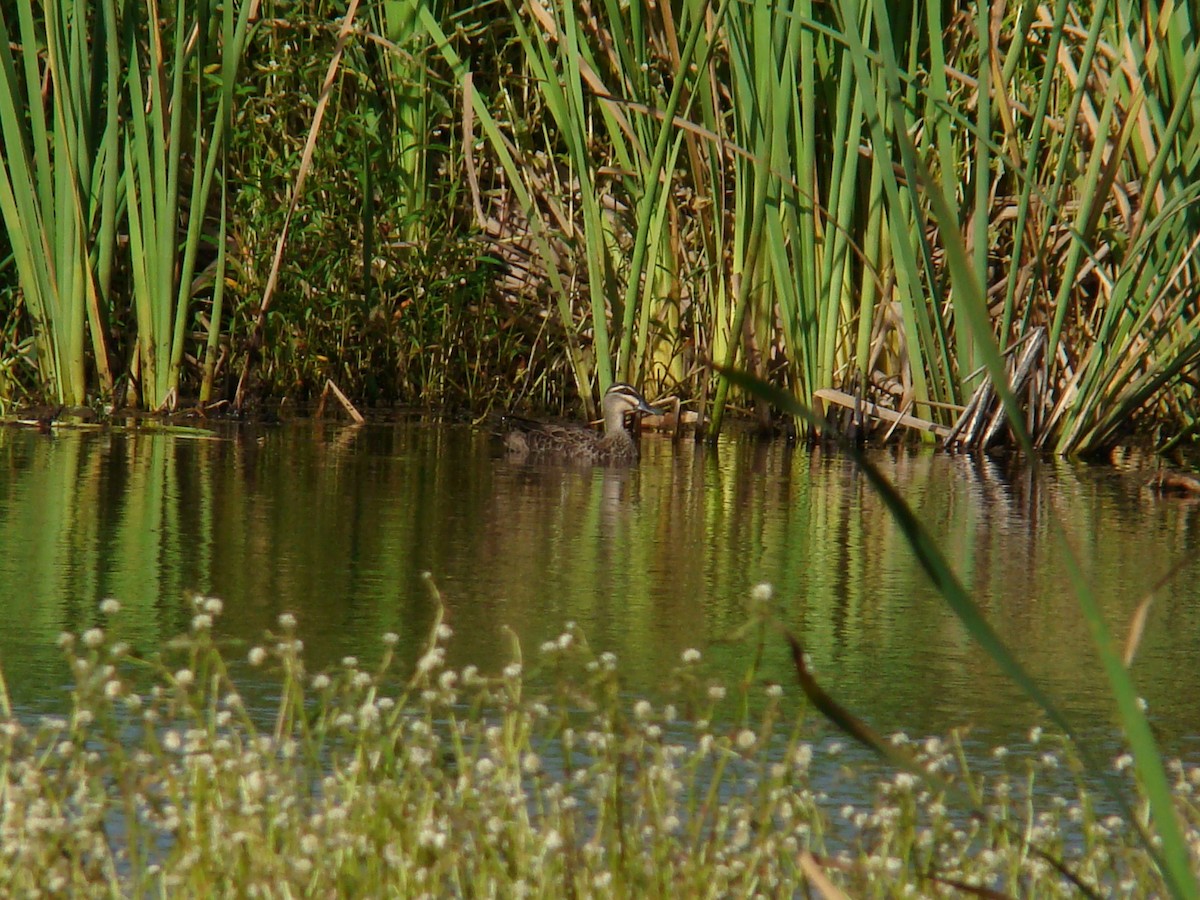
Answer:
(614, 421)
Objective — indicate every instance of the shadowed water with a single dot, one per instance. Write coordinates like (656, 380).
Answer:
(337, 525)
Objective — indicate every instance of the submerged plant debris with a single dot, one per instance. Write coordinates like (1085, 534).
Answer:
(163, 779)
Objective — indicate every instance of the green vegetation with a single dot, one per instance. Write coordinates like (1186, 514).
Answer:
(165, 778)
(112, 134)
(518, 203)
(1174, 858)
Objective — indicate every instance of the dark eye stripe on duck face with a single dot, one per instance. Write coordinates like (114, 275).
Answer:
(628, 395)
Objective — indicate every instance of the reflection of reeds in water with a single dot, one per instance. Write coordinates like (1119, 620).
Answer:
(336, 525)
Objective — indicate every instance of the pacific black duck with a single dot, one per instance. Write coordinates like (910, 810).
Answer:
(574, 442)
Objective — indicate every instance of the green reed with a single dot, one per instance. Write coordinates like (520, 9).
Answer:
(845, 195)
(825, 161)
(113, 117)
(59, 173)
(174, 149)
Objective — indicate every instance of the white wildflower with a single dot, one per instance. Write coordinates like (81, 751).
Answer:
(762, 592)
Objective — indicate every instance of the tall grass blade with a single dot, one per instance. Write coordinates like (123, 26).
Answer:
(656, 177)
(57, 182)
(1174, 855)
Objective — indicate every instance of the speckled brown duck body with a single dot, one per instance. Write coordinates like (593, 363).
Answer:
(568, 443)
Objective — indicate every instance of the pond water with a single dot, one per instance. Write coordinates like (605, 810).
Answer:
(336, 525)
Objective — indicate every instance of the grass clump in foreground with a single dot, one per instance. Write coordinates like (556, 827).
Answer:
(443, 782)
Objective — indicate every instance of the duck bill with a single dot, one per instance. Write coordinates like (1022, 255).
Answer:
(644, 407)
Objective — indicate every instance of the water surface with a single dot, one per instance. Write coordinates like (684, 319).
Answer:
(336, 526)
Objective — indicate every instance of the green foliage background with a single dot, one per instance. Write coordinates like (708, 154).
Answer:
(517, 203)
